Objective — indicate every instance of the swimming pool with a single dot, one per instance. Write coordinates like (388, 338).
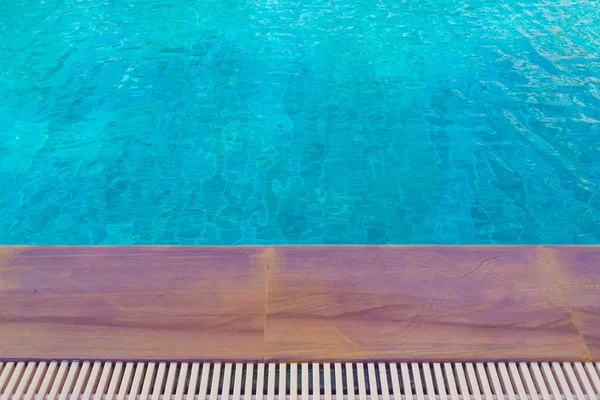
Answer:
(314, 121)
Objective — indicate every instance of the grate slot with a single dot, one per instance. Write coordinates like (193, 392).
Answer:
(215, 386)
(468, 381)
(260, 381)
(36, 381)
(103, 383)
(225, 384)
(125, 382)
(439, 383)
(294, 379)
(506, 382)
(238, 379)
(249, 379)
(182, 381)
(565, 389)
(362, 382)
(327, 383)
(25, 380)
(6, 370)
(583, 379)
(350, 381)
(396, 379)
(82, 378)
(136, 385)
(149, 378)
(430, 388)
(372, 380)
(417, 383)
(540, 381)
(159, 382)
(305, 380)
(315, 380)
(483, 381)
(384, 379)
(271, 379)
(572, 380)
(517, 381)
(449, 375)
(593, 375)
(15, 377)
(59, 379)
(339, 381)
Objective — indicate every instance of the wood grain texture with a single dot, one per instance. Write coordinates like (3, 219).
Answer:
(424, 303)
(577, 269)
(132, 302)
(330, 303)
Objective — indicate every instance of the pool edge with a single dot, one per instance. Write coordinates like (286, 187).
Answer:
(334, 303)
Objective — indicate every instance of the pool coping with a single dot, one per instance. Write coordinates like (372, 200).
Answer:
(300, 303)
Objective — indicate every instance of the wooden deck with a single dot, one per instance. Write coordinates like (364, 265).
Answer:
(301, 303)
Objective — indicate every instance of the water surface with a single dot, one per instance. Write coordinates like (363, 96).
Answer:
(313, 121)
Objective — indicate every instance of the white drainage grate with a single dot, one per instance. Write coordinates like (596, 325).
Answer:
(216, 381)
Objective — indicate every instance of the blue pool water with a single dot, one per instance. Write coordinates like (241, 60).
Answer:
(313, 121)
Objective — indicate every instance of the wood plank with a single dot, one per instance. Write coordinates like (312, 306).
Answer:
(578, 270)
(416, 303)
(132, 302)
(325, 303)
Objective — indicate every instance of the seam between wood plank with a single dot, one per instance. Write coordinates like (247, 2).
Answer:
(550, 259)
(270, 251)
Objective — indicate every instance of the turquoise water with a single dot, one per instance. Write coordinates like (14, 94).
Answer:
(313, 121)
